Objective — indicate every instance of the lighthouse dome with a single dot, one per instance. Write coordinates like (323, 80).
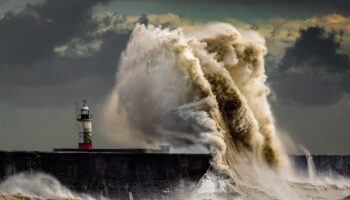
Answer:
(85, 108)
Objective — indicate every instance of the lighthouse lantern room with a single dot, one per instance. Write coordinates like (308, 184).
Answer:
(85, 127)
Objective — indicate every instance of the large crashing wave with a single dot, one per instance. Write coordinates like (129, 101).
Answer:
(207, 86)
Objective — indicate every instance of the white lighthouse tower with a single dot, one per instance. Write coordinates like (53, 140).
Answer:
(85, 127)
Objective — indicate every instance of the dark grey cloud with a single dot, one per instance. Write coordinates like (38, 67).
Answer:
(32, 74)
(58, 81)
(317, 6)
(315, 48)
(313, 71)
(30, 35)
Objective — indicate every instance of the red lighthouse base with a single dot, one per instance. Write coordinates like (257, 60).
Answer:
(85, 146)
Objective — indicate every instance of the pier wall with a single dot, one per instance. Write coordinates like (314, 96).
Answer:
(115, 175)
(143, 175)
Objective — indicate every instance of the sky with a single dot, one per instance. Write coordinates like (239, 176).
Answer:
(55, 52)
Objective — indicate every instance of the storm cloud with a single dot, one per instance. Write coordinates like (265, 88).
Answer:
(31, 35)
(339, 6)
(34, 73)
(313, 71)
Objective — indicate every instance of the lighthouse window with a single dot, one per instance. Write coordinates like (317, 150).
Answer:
(84, 112)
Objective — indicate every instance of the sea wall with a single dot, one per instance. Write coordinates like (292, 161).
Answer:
(142, 175)
(116, 175)
(325, 164)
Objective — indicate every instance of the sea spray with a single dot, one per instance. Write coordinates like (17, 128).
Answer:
(207, 86)
(37, 186)
(311, 169)
(183, 90)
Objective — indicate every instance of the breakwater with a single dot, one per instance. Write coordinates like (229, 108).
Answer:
(113, 174)
(142, 175)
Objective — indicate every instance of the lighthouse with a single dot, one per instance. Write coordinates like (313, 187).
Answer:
(85, 127)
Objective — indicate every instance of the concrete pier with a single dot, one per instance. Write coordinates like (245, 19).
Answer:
(113, 174)
(139, 174)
